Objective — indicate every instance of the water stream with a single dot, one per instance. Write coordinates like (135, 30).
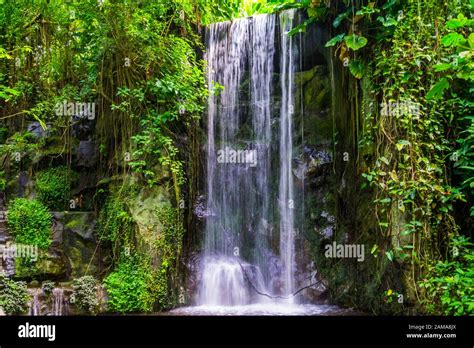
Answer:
(248, 264)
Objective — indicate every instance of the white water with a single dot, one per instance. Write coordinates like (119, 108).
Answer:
(271, 309)
(60, 303)
(223, 283)
(286, 198)
(238, 266)
(237, 194)
(35, 304)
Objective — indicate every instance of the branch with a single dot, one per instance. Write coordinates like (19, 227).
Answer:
(275, 296)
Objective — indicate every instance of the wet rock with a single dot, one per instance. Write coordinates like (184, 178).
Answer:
(36, 129)
(48, 266)
(200, 209)
(80, 243)
(86, 153)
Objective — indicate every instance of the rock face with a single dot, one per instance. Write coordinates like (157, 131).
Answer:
(80, 244)
(143, 209)
(7, 265)
(74, 251)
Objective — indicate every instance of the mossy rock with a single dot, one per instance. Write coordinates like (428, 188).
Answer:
(143, 209)
(80, 243)
(48, 266)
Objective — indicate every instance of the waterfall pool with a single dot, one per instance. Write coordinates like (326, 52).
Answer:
(266, 309)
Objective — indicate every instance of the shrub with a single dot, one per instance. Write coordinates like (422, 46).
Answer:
(47, 286)
(13, 295)
(85, 294)
(450, 283)
(53, 187)
(3, 181)
(131, 287)
(115, 222)
(29, 222)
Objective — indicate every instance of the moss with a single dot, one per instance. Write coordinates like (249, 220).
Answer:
(53, 187)
(29, 222)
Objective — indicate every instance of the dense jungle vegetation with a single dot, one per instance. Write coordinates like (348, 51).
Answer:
(132, 161)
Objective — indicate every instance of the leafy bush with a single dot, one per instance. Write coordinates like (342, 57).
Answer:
(47, 286)
(3, 181)
(53, 187)
(450, 285)
(114, 221)
(131, 287)
(13, 295)
(85, 294)
(20, 148)
(29, 222)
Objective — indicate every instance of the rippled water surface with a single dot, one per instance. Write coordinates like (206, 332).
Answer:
(262, 310)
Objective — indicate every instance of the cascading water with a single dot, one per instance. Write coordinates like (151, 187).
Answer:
(35, 304)
(248, 264)
(237, 187)
(239, 192)
(60, 303)
(286, 197)
(255, 172)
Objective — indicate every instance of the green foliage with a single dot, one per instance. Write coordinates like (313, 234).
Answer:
(29, 222)
(355, 42)
(53, 187)
(135, 285)
(115, 223)
(424, 76)
(168, 245)
(450, 284)
(19, 147)
(3, 181)
(336, 39)
(409, 173)
(456, 84)
(131, 287)
(47, 286)
(14, 295)
(85, 294)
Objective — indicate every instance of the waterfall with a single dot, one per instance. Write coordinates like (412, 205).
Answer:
(35, 303)
(60, 303)
(223, 283)
(245, 144)
(285, 188)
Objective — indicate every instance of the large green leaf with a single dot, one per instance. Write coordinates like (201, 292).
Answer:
(355, 42)
(340, 18)
(452, 39)
(442, 67)
(334, 40)
(438, 89)
(356, 68)
(459, 22)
